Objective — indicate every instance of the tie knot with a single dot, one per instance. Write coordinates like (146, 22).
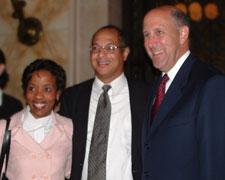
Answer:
(165, 79)
(106, 88)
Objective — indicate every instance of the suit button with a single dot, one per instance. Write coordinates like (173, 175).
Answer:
(34, 156)
(146, 174)
(45, 177)
(47, 157)
(33, 176)
(147, 146)
(81, 164)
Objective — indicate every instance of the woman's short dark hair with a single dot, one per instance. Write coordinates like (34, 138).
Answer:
(48, 65)
(4, 77)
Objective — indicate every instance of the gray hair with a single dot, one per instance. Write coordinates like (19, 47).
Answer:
(181, 19)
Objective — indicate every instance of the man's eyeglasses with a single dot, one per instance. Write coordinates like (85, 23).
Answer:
(108, 48)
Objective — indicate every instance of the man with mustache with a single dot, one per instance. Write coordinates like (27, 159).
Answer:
(128, 98)
(184, 129)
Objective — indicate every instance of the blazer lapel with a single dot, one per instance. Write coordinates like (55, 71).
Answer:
(138, 103)
(54, 134)
(83, 110)
(153, 91)
(81, 121)
(21, 137)
(24, 139)
(168, 102)
(133, 104)
(174, 93)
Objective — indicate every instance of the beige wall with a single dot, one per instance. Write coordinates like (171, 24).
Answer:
(87, 17)
(67, 29)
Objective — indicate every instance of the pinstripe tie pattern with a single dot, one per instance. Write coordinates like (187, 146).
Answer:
(99, 141)
(159, 97)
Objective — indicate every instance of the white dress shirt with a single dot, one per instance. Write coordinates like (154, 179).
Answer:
(37, 128)
(174, 70)
(118, 161)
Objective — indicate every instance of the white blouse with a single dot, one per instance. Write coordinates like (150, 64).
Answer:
(37, 128)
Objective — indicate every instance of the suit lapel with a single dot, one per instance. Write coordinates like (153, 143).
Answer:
(134, 105)
(168, 102)
(174, 93)
(152, 94)
(81, 120)
(53, 136)
(21, 137)
(24, 139)
(138, 103)
(139, 94)
(83, 108)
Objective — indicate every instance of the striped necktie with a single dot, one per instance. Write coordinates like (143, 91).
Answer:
(99, 141)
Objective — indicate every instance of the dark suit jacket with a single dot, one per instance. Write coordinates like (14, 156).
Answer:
(75, 105)
(187, 138)
(10, 106)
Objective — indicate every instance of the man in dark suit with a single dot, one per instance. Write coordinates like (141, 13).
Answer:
(185, 140)
(8, 104)
(129, 103)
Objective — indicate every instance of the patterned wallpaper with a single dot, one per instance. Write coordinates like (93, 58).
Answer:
(53, 43)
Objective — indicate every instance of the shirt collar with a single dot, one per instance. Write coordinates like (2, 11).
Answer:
(30, 122)
(117, 85)
(173, 71)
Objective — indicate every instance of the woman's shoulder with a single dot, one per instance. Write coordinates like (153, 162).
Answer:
(13, 120)
(63, 119)
(66, 122)
(2, 127)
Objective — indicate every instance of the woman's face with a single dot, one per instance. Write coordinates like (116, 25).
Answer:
(42, 93)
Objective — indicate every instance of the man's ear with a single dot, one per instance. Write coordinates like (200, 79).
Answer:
(184, 34)
(2, 68)
(126, 52)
